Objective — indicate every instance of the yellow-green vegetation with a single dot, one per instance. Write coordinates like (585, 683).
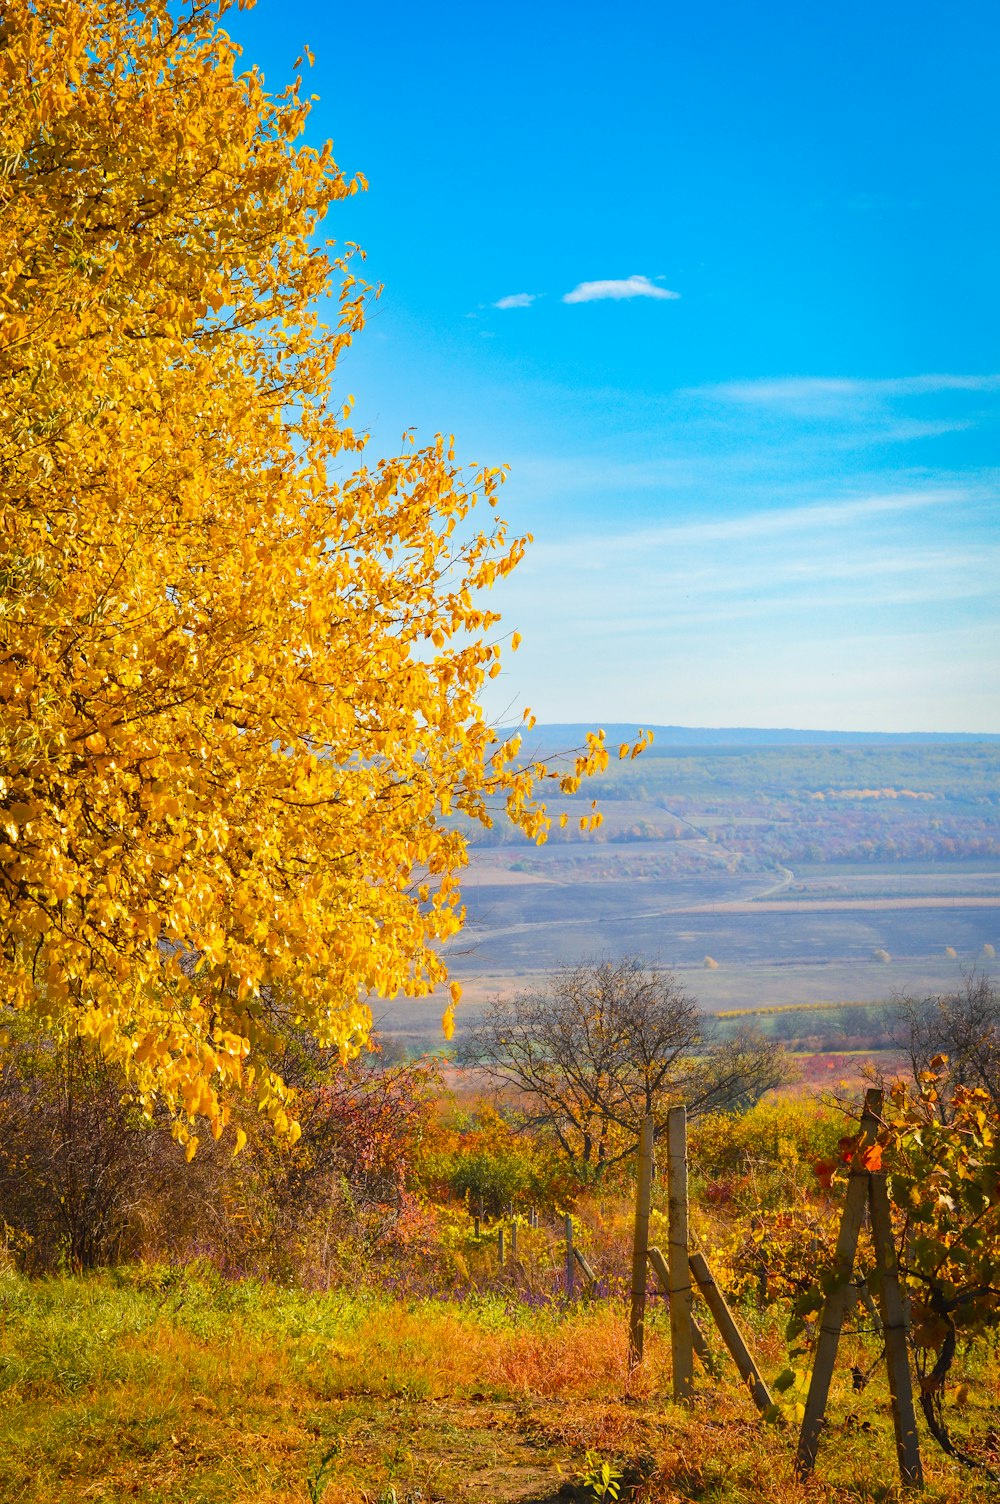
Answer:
(794, 1008)
(181, 1388)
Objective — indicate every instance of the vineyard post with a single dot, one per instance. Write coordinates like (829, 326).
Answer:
(894, 1325)
(501, 1250)
(513, 1241)
(585, 1265)
(731, 1334)
(837, 1302)
(640, 1243)
(866, 1191)
(681, 1340)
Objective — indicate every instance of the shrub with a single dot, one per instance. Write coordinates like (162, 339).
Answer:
(87, 1180)
(75, 1156)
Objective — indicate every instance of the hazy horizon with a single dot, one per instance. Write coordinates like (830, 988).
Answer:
(688, 735)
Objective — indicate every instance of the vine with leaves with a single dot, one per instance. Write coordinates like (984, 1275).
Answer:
(939, 1147)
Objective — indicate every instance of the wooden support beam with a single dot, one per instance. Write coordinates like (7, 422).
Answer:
(570, 1268)
(897, 1360)
(842, 1294)
(585, 1265)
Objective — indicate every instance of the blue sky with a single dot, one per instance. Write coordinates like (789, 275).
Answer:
(719, 282)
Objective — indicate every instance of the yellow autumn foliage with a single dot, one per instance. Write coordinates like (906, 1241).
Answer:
(240, 665)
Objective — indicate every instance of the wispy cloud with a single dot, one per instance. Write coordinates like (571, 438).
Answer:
(773, 613)
(516, 300)
(836, 519)
(628, 287)
(827, 567)
(831, 393)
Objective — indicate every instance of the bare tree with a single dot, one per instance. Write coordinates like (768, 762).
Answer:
(604, 1044)
(964, 1026)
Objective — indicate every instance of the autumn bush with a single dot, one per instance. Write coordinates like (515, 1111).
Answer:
(76, 1157)
(756, 1160)
(491, 1161)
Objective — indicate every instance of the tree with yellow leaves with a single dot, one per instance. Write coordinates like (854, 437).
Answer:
(240, 667)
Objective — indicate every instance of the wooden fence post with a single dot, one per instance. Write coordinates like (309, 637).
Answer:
(501, 1250)
(640, 1243)
(570, 1268)
(681, 1339)
(513, 1241)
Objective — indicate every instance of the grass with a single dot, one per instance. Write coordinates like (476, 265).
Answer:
(179, 1388)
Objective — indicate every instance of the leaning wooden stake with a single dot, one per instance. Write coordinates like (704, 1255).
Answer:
(731, 1334)
(640, 1244)
(841, 1295)
(681, 1339)
(585, 1265)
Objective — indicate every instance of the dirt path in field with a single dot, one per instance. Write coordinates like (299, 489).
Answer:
(481, 1451)
(457, 1450)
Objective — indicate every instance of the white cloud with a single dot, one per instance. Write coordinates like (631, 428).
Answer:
(628, 287)
(516, 300)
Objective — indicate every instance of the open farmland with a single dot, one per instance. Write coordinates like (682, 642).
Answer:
(889, 882)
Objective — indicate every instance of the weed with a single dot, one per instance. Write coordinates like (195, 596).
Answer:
(603, 1480)
(320, 1477)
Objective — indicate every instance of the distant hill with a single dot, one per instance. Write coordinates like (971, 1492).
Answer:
(565, 735)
